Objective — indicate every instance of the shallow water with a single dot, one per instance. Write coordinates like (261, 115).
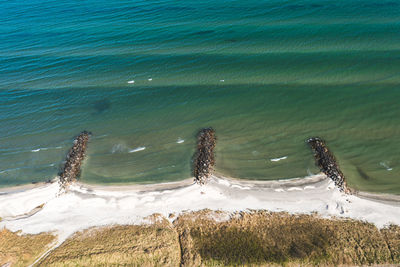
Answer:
(145, 76)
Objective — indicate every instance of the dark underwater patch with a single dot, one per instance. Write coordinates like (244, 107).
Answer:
(101, 106)
(363, 174)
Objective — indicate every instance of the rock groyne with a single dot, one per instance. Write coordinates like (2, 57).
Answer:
(75, 156)
(327, 163)
(204, 159)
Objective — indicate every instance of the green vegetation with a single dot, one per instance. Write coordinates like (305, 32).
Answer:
(203, 239)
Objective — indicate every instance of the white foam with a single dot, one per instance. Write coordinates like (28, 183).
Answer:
(278, 159)
(150, 79)
(383, 164)
(141, 148)
(45, 148)
(294, 189)
(240, 187)
(222, 81)
(118, 148)
(309, 187)
(131, 82)
(180, 141)
(223, 182)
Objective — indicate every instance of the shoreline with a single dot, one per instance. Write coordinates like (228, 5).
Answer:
(267, 184)
(24, 187)
(391, 199)
(272, 184)
(17, 201)
(383, 198)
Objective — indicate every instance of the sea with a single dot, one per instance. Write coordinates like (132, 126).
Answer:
(145, 76)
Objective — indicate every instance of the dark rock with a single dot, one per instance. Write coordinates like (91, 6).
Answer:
(75, 156)
(327, 163)
(204, 159)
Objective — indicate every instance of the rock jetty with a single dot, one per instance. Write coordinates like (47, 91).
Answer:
(204, 159)
(327, 163)
(76, 154)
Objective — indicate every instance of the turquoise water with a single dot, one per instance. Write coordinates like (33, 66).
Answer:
(265, 74)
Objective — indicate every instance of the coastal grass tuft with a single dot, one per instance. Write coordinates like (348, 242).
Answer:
(22, 250)
(392, 237)
(128, 245)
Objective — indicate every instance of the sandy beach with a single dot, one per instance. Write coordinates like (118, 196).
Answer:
(45, 208)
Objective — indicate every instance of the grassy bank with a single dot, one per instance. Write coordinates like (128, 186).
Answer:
(130, 245)
(261, 238)
(22, 250)
(205, 238)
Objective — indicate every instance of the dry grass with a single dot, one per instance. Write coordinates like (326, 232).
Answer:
(392, 236)
(22, 250)
(262, 238)
(148, 245)
(196, 239)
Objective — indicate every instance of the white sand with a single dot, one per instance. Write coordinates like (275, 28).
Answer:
(84, 206)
